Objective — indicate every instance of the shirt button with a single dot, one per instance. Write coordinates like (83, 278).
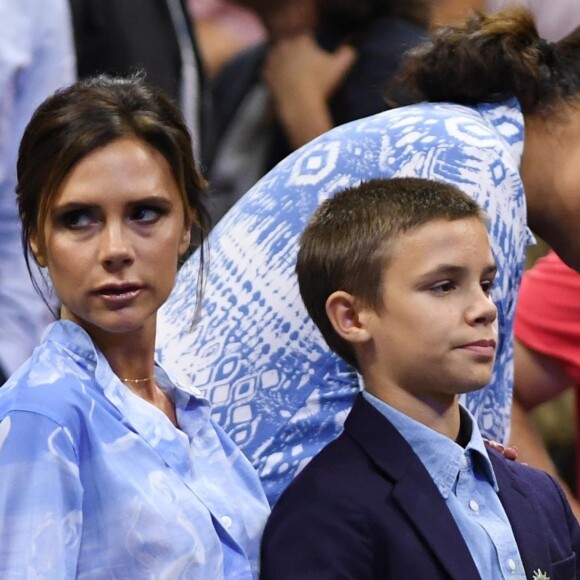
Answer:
(474, 505)
(464, 461)
(511, 564)
(226, 521)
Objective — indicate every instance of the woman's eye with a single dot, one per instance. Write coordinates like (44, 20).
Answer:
(77, 219)
(147, 214)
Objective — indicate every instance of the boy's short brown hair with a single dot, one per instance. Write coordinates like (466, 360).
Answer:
(348, 240)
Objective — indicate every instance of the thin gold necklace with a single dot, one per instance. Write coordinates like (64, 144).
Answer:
(138, 380)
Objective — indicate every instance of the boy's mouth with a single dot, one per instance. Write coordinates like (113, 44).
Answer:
(481, 347)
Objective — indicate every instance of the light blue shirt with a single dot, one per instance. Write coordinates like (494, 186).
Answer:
(36, 58)
(466, 480)
(275, 386)
(98, 483)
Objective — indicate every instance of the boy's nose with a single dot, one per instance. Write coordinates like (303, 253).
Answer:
(483, 311)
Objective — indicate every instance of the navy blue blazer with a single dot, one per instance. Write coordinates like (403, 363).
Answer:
(366, 507)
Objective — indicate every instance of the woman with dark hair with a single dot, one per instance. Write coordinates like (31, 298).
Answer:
(496, 113)
(111, 468)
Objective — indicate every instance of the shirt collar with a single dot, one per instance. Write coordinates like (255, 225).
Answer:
(78, 343)
(442, 457)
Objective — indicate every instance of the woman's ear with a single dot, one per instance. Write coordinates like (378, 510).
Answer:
(343, 312)
(185, 241)
(36, 251)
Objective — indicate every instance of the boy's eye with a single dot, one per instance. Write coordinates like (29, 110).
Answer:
(443, 287)
(487, 286)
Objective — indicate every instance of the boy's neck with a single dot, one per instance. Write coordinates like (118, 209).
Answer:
(442, 415)
(465, 429)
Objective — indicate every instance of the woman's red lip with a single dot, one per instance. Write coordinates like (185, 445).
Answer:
(119, 297)
(124, 289)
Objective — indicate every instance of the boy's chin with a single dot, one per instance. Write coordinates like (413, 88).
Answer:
(475, 384)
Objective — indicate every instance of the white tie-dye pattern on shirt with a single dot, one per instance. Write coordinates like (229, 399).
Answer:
(274, 385)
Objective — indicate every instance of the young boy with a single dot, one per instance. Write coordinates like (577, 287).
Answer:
(397, 274)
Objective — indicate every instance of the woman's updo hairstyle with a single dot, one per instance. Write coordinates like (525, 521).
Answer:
(490, 59)
(87, 116)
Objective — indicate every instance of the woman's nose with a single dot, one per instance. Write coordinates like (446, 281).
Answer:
(115, 246)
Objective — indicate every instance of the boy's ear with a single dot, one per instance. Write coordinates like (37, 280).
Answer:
(343, 313)
(36, 251)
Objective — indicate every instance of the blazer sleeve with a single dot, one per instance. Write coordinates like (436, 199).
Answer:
(572, 524)
(547, 533)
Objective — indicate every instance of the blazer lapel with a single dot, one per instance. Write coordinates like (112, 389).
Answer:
(531, 540)
(414, 491)
(428, 512)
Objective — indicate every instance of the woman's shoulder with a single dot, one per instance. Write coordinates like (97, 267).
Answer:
(50, 383)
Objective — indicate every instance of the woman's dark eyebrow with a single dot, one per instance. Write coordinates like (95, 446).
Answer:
(152, 200)
(72, 206)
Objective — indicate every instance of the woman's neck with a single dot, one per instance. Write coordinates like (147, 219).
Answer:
(131, 356)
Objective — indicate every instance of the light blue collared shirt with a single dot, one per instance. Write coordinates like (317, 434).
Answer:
(466, 480)
(98, 483)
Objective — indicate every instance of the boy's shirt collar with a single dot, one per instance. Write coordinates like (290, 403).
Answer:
(442, 457)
